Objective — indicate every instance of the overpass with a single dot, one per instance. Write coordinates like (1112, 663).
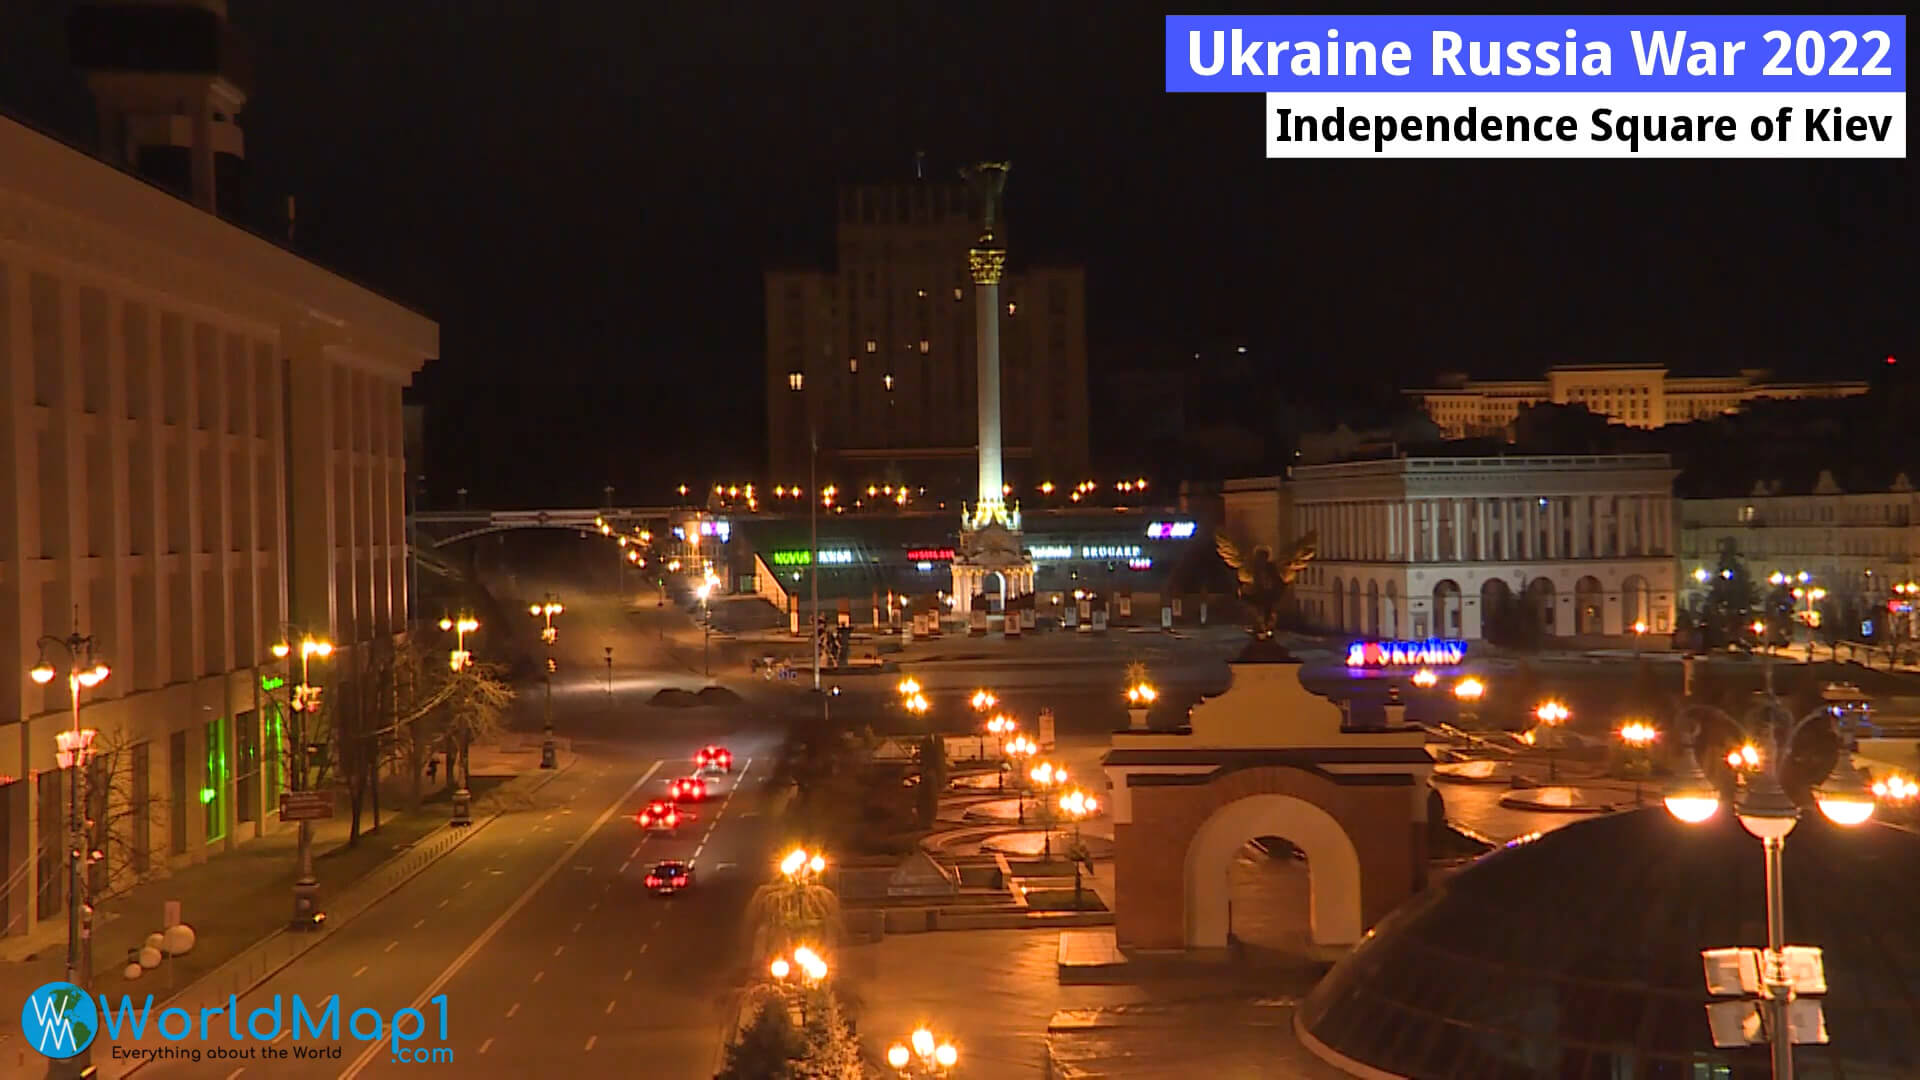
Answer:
(442, 528)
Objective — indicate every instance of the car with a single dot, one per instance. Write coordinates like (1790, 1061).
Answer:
(688, 789)
(713, 759)
(660, 815)
(668, 877)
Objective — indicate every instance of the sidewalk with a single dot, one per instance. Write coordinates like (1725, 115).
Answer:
(235, 900)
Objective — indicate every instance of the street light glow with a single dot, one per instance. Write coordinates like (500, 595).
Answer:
(898, 1056)
(945, 1055)
(1469, 689)
(1638, 733)
(1425, 678)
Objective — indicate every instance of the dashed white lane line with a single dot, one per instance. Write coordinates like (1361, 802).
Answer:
(610, 1005)
(391, 945)
(591, 1039)
(418, 923)
(628, 977)
(484, 1045)
(558, 949)
(634, 854)
(623, 867)
(280, 1037)
(362, 971)
(701, 848)
(538, 975)
(656, 924)
(468, 885)
(236, 1072)
(442, 903)
(514, 1009)
(643, 948)
(577, 926)
(595, 906)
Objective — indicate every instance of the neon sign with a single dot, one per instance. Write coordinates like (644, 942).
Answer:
(836, 557)
(792, 558)
(1170, 530)
(270, 683)
(721, 528)
(930, 555)
(1375, 654)
(1052, 551)
(1140, 564)
(1110, 552)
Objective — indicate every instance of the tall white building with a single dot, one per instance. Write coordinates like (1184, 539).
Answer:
(1412, 548)
(202, 443)
(1637, 395)
(1856, 545)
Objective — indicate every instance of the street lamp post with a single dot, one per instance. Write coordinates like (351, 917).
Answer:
(706, 626)
(1638, 735)
(1045, 777)
(1077, 804)
(549, 634)
(459, 661)
(84, 671)
(1551, 715)
(1020, 749)
(1468, 692)
(306, 701)
(1767, 812)
(923, 1056)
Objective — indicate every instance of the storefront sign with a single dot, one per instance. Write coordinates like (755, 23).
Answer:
(1111, 552)
(1434, 653)
(1170, 530)
(792, 558)
(930, 555)
(1051, 551)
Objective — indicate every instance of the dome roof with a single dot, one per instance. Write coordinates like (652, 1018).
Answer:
(1577, 955)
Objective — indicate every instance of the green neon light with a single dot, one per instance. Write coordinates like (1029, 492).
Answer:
(271, 683)
(208, 794)
(792, 558)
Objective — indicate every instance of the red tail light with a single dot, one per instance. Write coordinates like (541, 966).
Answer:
(652, 882)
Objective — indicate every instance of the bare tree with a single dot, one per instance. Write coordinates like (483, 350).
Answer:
(475, 709)
(121, 805)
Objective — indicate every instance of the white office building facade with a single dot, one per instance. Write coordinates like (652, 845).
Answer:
(1415, 548)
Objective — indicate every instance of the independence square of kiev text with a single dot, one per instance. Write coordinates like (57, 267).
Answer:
(1818, 125)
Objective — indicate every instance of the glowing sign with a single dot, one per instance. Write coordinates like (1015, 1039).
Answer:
(836, 556)
(679, 533)
(1140, 564)
(930, 555)
(1170, 530)
(270, 683)
(1051, 551)
(1376, 654)
(721, 528)
(1111, 552)
(792, 558)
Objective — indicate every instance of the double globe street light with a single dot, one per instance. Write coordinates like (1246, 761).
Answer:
(304, 703)
(460, 660)
(1766, 811)
(923, 1055)
(549, 634)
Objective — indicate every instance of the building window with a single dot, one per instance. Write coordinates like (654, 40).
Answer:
(796, 380)
(1012, 308)
(214, 787)
(853, 365)
(887, 381)
(924, 346)
(921, 293)
(872, 345)
(956, 292)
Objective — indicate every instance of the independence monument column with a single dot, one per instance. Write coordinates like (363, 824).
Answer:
(989, 542)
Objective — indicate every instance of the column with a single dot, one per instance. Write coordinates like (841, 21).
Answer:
(1483, 550)
(1529, 516)
(1433, 529)
(1394, 550)
(1458, 508)
(1582, 515)
(1640, 526)
(986, 262)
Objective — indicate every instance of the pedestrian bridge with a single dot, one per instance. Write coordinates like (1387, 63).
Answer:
(443, 528)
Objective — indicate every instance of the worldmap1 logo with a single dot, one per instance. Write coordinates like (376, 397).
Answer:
(59, 1020)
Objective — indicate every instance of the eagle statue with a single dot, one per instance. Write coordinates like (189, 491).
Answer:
(1265, 580)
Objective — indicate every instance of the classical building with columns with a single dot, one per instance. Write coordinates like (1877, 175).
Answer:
(202, 439)
(1422, 547)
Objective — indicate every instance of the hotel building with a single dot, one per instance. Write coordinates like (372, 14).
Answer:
(202, 443)
(1637, 395)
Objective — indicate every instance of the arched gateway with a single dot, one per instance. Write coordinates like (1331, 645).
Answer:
(1267, 758)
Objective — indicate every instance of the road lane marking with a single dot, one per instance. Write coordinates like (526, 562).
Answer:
(623, 867)
(643, 948)
(558, 949)
(538, 975)
(366, 1056)
(698, 850)
(418, 923)
(628, 977)
(362, 971)
(595, 906)
(279, 1037)
(635, 854)
(514, 1009)
(610, 1004)
(390, 946)
(484, 1045)
(656, 924)
(468, 885)
(443, 903)
(591, 1039)
(577, 926)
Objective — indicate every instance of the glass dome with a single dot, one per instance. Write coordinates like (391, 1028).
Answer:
(1576, 955)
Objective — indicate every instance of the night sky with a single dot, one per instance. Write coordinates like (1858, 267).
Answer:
(586, 202)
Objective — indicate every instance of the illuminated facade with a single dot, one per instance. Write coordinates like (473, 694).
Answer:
(1637, 395)
(1417, 548)
(203, 442)
(882, 352)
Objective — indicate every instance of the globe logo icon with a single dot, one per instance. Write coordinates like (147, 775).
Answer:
(59, 1020)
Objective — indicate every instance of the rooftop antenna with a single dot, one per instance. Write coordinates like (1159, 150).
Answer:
(919, 164)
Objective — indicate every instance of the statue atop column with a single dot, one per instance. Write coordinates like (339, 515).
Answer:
(989, 181)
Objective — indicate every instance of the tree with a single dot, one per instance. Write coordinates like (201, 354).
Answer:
(832, 1051)
(793, 911)
(120, 814)
(767, 1048)
(474, 708)
(933, 777)
(1730, 601)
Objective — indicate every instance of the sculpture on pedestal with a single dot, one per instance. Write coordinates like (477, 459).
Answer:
(1264, 580)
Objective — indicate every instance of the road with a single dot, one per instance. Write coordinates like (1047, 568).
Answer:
(539, 931)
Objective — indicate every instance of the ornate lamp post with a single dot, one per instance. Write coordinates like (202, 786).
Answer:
(1638, 735)
(306, 702)
(84, 672)
(460, 660)
(923, 1056)
(1767, 812)
(1045, 777)
(1077, 804)
(549, 634)
(1140, 698)
(1000, 727)
(1551, 715)
(1468, 692)
(1020, 749)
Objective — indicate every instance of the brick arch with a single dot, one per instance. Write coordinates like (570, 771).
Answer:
(1333, 867)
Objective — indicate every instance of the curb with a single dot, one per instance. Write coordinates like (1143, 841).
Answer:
(272, 954)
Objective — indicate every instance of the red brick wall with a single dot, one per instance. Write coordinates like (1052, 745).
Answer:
(1150, 855)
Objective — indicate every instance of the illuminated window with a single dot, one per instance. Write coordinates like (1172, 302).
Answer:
(796, 380)
(924, 346)
(1012, 308)
(921, 293)
(887, 380)
(872, 345)
(853, 365)
(956, 292)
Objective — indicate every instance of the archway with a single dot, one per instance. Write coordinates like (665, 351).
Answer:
(1446, 608)
(1541, 600)
(993, 585)
(1589, 599)
(1392, 619)
(1373, 609)
(1353, 605)
(1633, 603)
(1339, 604)
(1497, 611)
(1333, 887)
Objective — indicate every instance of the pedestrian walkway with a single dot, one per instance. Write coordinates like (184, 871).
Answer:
(235, 898)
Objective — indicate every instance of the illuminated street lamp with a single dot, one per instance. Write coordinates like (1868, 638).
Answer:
(1767, 812)
(1551, 715)
(461, 660)
(1468, 692)
(84, 672)
(1425, 679)
(907, 687)
(305, 703)
(1639, 635)
(1045, 777)
(923, 1056)
(1019, 749)
(983, 700)
(1077, 805)
(1639, 736)
(1140, 698)
(800, 865)
(1001, 727)
(549, 634)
